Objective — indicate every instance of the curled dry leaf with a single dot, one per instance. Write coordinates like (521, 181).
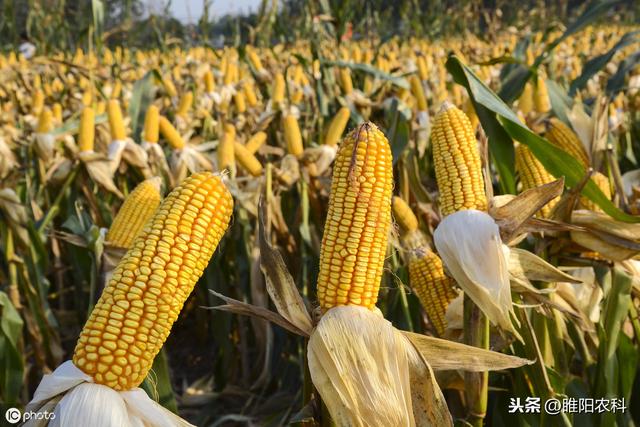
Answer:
(613, 239)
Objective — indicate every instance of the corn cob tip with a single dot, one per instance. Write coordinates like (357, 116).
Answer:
(445, 106)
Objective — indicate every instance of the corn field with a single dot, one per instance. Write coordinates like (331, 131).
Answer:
(334, 226)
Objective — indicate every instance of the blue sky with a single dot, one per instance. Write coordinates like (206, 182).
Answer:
(191, 10)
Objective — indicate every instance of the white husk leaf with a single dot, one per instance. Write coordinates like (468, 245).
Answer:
(470, 246)
(88, 404)
(359, 365)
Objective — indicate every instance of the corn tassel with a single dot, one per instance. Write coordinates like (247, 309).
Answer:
(134, 314)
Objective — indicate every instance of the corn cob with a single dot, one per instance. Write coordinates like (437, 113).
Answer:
(38, 102)
(134, 213)
(278, 90)
(225, 148)
(151, 124)
(541, 96)
(457, 162)
(209, 83)
(292, 135)
(355, 233)
(254, 59)
(423, 70)
(250, 94)
(57, 112)
(239, 101)
(561, 135)
(185, 104)
(87, 98)
(533, 174)
(525, 102)
(602, 181)
(256, 142)
(116, 124)
(87, 131)
(117, 89)
(434, 288)
(404, 215)
(337, 126)
(170, 133)
(45, 121)
(418, 93)
(101, 107)
(247, 160)
(345, 80)
(134, 314)
(169, 87)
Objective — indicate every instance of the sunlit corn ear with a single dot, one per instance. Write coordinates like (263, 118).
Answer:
(359, 366)
(43, 139)
(136, 311)
(469, 243)
(121, 147)
(613, 239)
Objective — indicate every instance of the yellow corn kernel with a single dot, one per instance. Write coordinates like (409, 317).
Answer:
(533, 174)
(137, 308)
(87, 130)
(602, 181)
(170, 133)
(562, 136)
(434, 288)
(116, 124)
(225, 148)
(345, 81)
(337, 126)
(457, 162)
(45, 121)
(250, 94)
(57, 112)
(209, 82)
(292, 135)
(525, 102)
(135, 212)
(541, 96)
(239, 101)
(37, 102)
(247, 160)
(256, 142)
(404, 215)
(278, 90)
(151, 124)
(418, 93)
(359, 216)
(186, 101)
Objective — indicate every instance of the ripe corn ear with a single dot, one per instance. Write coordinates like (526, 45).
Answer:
(151, 124)
(457, 162)
(602, 181)
(418, 93)
(45, 121)
(434, 288)
(225, 148)
(255, 142)
(337, 126)
(541, 96)
(134, 314)
(292, 135)
(358, 220)
(87, 131)
(135, 212)
(533, 174)
(247, 160)
(116, 124)
(404, 215)
(562, 136)
(170, 133)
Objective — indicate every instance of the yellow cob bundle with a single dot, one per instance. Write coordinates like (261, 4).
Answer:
(457, 162)
(533, 174)
(137, 209)
(358, 219)
(138, 307)
(434, 288)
